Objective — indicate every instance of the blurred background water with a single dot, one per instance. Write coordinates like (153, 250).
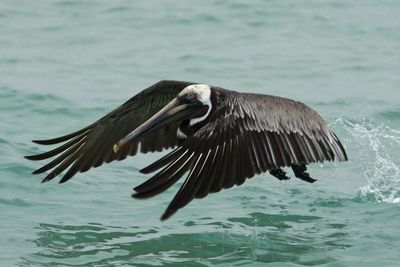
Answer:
(64, 64)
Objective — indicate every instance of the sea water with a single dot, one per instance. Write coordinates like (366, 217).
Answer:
(64, 64)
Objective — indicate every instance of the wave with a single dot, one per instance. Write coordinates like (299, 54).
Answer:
(376, 147)
(204, 243)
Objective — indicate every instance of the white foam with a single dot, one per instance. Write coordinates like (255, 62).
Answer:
(377, 146)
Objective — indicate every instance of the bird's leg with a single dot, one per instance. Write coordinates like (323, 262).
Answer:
(300, 172)
(280, 174)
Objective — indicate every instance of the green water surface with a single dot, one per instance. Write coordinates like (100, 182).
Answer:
(64, 64)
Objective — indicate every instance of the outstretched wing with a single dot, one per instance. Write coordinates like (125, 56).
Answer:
(92, 145)
(248, 134)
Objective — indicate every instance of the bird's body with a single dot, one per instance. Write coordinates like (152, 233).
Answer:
(221, 137)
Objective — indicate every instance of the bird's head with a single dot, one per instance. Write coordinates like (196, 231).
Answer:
(193, 103)
(200, 93)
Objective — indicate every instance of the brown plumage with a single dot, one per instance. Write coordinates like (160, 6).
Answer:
(230, 137)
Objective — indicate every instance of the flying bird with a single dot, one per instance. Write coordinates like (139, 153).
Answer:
(220, 137)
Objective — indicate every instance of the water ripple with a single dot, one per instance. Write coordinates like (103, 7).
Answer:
(265, 238)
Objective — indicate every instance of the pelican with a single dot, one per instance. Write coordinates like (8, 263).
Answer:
(220, 137)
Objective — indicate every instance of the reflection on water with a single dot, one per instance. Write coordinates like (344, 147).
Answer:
(257, 237)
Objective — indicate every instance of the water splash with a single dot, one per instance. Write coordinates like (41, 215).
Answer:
(377, 145)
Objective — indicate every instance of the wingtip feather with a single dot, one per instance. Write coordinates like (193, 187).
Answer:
(45, 180)
(167, 214)
(144, 171)
(62, 138)
(38, 171)
(63, 180)
(39, 142)
(141, 195)
(30, 157)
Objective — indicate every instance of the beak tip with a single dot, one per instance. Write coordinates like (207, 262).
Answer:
(115, 148)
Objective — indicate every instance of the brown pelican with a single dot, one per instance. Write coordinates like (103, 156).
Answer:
(221, 137)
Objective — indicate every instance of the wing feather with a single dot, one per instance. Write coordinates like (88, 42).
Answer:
(103, 134)
(62, 138)
(233, 162)
(211, 169)
(64, 164)
(164, 160)
(164, 175)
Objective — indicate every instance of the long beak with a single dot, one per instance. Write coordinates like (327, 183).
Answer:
(173, 111)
